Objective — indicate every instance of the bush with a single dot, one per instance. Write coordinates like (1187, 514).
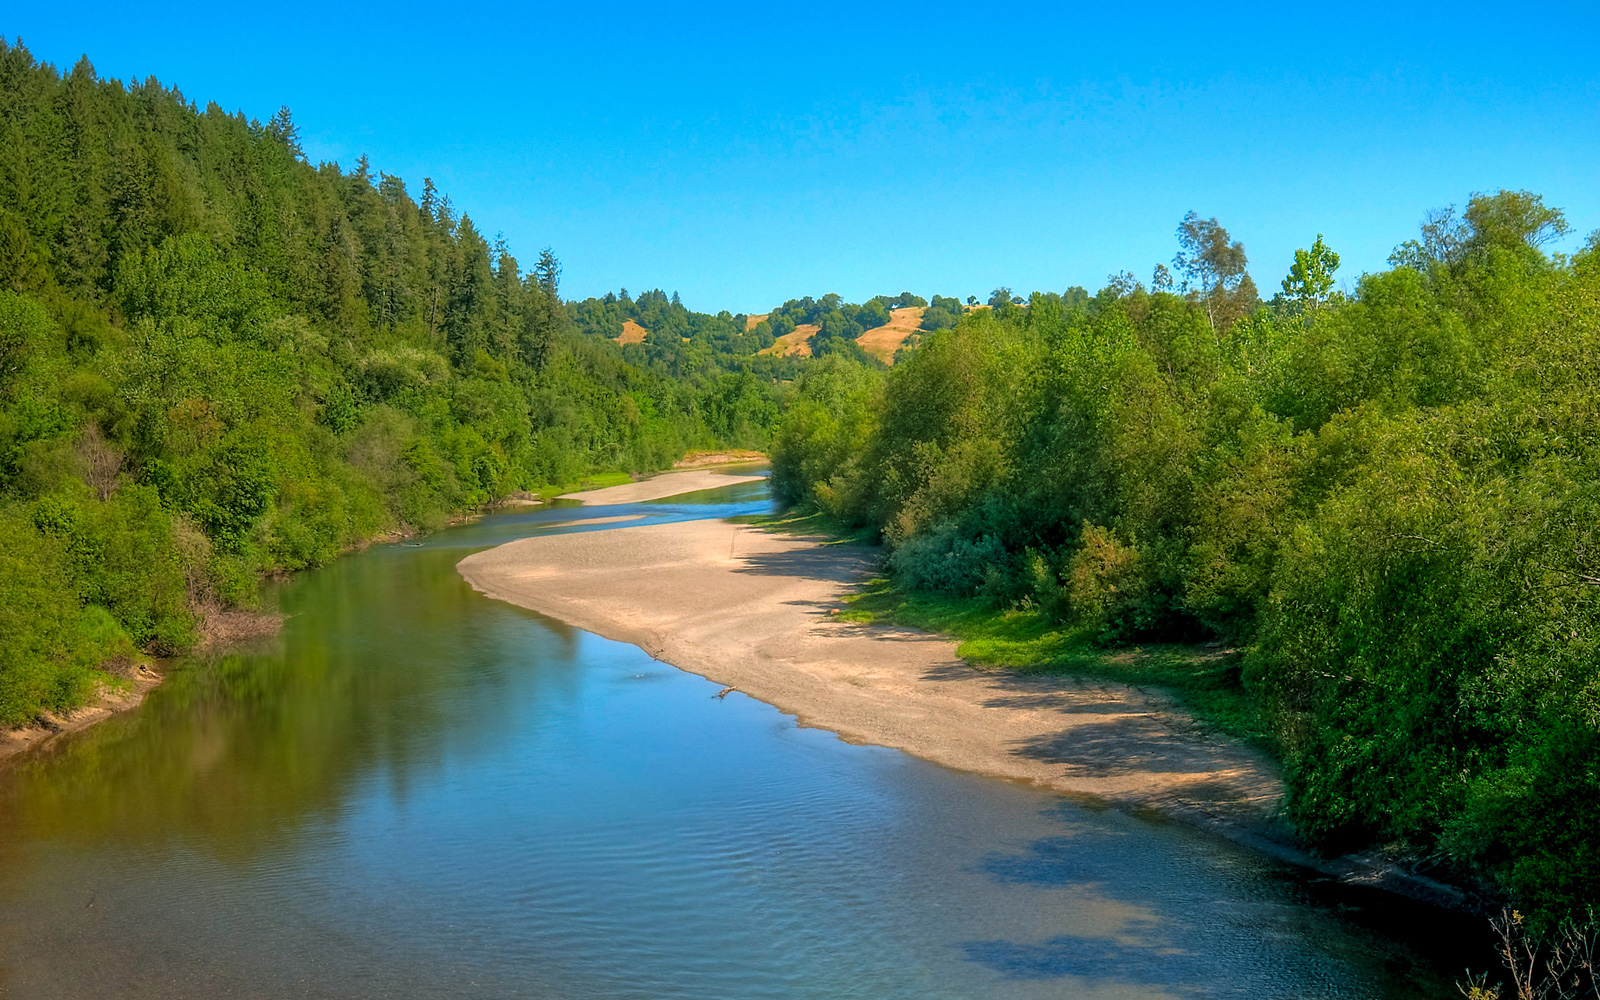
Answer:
(946, 561)
(50, 644)
(123, 558)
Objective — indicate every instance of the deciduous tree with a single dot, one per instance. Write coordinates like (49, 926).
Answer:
(1311, 275)
(1212, 265)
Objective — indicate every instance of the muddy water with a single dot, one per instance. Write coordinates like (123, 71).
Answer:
(415, 791)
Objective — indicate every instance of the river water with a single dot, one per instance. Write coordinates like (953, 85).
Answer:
(415, 791)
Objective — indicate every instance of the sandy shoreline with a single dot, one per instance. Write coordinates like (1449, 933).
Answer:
(751, 609)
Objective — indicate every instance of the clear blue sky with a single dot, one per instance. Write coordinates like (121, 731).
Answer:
(747, 153)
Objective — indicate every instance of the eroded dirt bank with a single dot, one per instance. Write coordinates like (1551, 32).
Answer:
(136, 681)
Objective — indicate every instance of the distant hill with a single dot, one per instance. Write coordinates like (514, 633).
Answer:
(796, 344)
(881, 342)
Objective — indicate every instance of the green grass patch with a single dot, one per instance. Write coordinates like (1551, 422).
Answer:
(594, 481)
(1204, 678)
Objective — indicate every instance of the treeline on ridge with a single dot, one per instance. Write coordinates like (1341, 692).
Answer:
(1389, 501)
(686, 344)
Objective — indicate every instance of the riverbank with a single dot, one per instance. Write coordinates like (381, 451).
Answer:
(667, 484)
(127, 684)
(757, 612)
(726, 456)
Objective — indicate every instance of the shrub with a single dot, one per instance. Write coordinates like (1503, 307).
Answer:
(49, 643)
(946, 561)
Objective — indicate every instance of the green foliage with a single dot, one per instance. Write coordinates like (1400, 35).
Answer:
(824, 435)
(185, 276)
(123, 560)
(905, 300)
(218, 360)
(1311, 275)
(1390, 502)
(1515, 221)
(707, 366)
(838, 325)
(946, 560)
(942, 314)
(50, 643)
(1212, 266)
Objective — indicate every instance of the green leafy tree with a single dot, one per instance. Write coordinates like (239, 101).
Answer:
(1213, 268)
(283, 129)
(1514, 219)
(1387, 503)
(1310, 277)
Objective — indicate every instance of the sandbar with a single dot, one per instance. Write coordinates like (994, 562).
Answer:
(750, 609)
(668, 484)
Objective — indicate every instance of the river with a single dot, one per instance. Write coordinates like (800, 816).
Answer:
(415, 791)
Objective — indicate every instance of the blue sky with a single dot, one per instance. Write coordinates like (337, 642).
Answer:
(743, 154)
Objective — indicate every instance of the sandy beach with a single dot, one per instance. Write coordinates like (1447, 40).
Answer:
(751, 610)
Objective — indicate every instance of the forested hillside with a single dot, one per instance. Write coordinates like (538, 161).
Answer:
(219, 360)
(714, 357)
(1390, 502)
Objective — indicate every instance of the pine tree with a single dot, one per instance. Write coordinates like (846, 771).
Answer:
(283, 129)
